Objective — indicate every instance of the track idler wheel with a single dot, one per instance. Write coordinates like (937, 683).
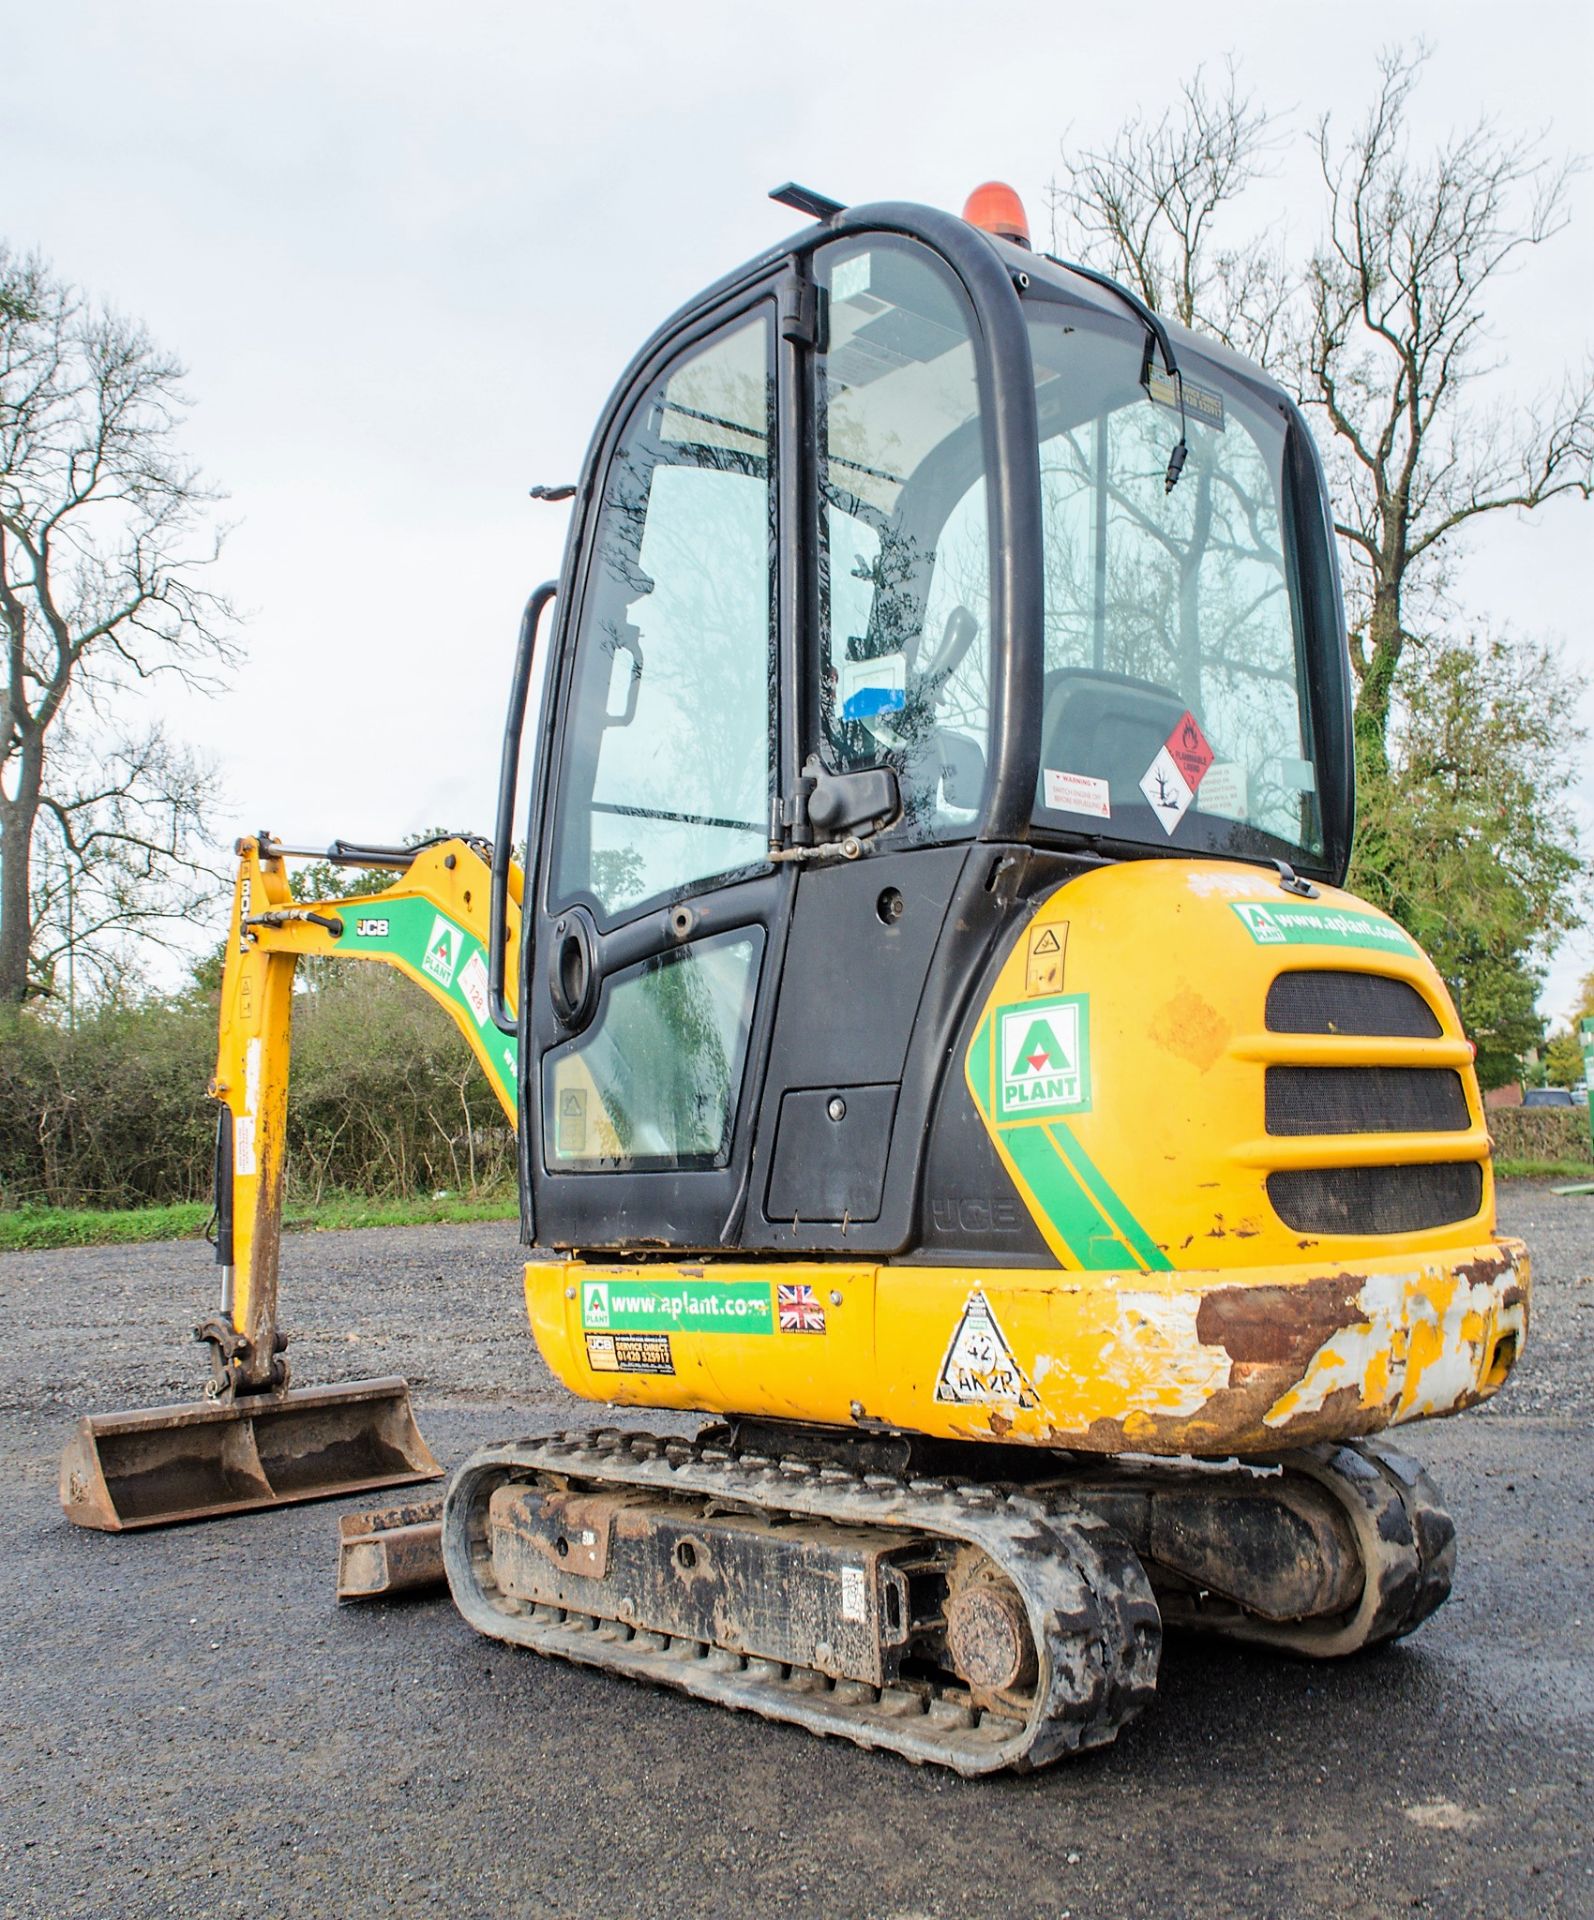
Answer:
(1407, 1543)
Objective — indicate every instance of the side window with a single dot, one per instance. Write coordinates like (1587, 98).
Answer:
(665, 782)
(653, 1082)
(904, 565)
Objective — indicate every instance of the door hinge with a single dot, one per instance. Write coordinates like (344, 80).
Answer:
(790, 825)
(799, 311)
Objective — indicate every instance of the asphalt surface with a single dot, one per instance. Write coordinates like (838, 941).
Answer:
(190, 1725)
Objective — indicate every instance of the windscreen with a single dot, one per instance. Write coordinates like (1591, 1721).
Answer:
(1175, 707)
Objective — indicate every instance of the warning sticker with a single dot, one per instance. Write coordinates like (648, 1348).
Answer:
(1190, 751)
(1045, 1063)
(1043, 969)
(629, 1353)
(979, 1367)
(1076, 793)
(1169, 793)
(243, 1146)
(1223, 790)
(442, 951)
(572, 1120)
(473, 984)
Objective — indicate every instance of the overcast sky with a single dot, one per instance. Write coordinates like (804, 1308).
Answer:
(405, 250)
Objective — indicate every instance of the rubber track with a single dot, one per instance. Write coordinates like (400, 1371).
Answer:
(1095, 1623)
(1408, 1548)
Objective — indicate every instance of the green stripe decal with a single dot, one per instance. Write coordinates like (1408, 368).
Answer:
(452, 960)
(1149, 1254)
(1073, 1214)
(980, 1068)
(1061, 1179)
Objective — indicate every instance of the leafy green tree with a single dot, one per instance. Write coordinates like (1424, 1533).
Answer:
(1563, 1058)
(1563, 1061)
(1467, 838)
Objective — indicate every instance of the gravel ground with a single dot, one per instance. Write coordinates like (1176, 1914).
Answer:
(189, 1724)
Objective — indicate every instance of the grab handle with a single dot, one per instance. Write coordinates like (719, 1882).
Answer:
(504, 826)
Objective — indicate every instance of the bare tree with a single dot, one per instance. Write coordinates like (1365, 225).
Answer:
(1392, 342)
(104, 537)
(1383, 335)
(1151, 208)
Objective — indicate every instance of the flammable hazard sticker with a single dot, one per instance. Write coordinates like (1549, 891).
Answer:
(630, 1353)
(979, 1367)
(1191, 750)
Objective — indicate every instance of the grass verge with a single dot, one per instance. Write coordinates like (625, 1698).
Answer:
(1544, 1169)
(30, 1228)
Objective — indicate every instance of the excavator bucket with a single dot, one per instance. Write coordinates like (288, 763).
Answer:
(162, 1465)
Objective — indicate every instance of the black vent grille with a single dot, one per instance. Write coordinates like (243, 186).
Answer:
(1376, 1199)
(1366, 1003)
(1366, 1100)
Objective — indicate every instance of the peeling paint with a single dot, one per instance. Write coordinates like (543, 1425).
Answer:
(1152, 1356)
(1206, 881)
(1421, 1344)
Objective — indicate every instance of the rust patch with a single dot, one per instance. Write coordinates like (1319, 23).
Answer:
(1232, 1421)
(1485, 1272)
(1001, 1424)
(1280, 1325)
(1191, 1029)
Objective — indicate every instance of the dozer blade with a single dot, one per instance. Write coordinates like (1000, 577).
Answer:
(397, 1549)
(161, 1465)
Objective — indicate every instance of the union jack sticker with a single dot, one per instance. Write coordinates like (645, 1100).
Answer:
(799, 1310)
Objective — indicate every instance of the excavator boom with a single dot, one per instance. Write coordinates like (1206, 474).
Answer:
(254, 1441)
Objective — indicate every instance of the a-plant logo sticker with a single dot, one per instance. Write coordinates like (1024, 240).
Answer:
(1045, 1065)
(594, 1303)
(442, 951)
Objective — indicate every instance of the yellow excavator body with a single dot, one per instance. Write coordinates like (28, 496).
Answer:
(1183, 1314)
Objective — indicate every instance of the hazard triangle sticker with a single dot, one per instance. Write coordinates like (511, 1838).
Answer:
(979, 1367)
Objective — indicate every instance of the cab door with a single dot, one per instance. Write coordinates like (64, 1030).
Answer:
(659, 914)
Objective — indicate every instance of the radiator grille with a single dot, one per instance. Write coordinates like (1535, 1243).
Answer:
(1366, 1100)
(1312, 1001)
(1376, 1199)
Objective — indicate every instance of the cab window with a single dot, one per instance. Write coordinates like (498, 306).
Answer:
(904, 571)
(666, 779)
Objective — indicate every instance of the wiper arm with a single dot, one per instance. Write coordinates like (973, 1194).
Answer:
(1152, 322)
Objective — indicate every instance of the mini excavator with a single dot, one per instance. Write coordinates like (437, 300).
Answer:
(939, 1047)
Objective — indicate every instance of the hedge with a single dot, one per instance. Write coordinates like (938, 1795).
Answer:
(384, 1099)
